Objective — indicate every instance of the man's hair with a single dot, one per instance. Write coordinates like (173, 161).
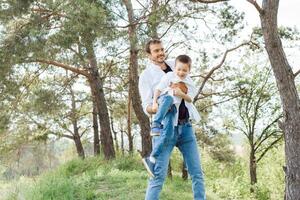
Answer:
(184, 59)
(152, 41)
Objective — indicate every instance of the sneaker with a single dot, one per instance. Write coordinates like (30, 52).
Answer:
(149, 166)
(155, 131)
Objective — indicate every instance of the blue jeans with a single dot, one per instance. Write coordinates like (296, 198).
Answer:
(165, 104)
(184, 138)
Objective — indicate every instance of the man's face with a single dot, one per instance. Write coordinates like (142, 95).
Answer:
(182, 69)
(157, 53)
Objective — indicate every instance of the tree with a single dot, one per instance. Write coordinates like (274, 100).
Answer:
(258, 114)
(67, 114)
(63, 35)
(285, 79)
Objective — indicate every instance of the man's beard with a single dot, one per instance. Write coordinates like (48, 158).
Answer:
(160, 59)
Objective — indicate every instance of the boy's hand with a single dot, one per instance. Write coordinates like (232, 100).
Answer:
(178, 92)
(154, 107)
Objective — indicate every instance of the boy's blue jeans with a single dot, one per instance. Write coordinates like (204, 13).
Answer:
(165, 104)
(184, 138)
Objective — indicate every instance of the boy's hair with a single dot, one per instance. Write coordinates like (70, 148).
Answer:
(152, 41)
(184, 59)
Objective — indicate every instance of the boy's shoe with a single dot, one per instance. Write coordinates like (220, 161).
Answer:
(149, 166)
(155, 130)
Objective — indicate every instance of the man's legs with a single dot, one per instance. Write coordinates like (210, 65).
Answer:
(162, 161)
(187, 144)
(160, 171)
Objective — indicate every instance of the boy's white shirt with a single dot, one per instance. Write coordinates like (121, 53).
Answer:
(164, 87)
(149, 80)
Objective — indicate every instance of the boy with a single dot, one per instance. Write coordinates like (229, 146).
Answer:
(165, 95)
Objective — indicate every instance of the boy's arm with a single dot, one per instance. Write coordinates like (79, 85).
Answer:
(179, 93)
(164, 82)
(192, 91)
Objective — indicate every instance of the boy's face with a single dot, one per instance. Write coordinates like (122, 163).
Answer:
(182, 69)
(157, 53)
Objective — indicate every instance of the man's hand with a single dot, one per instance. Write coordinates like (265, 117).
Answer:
(154, 107)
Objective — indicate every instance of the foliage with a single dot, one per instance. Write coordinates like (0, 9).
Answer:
(125, 178)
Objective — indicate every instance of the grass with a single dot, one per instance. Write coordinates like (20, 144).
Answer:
(125, 179)
(96, 179)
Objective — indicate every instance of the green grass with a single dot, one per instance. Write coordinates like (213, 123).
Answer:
(125, 179)
(94, 178)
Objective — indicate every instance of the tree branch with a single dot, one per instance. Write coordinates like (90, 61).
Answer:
(64, 135)
(217, 67)
(268, 148)
(298, 72)
(83, 72)
(213, 79)
(214, 104)
(264, 132)
(84, 131)
(258, 8)
(208, 1)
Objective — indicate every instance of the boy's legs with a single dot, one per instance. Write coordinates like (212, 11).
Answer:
(167, 133)
(187, 144)
(165, 103)
(161, 141)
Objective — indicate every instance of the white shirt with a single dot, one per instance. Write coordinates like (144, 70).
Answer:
(171, 77)
(163, 86)
(149, 80)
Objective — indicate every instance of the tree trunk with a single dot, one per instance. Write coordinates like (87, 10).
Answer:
(130, 138)
(98, 93)
(252, 169)
(289, 97)
(78, 144)
(115, 134)
(184, 171)
(96, 130)
(170, 170)
(122, 139)
(133, 82)
(154, 22)
(112, 119)
(76, 136)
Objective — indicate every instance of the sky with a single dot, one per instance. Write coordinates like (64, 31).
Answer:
(288, 14)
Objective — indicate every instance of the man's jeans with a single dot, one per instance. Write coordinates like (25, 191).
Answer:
(165, 104)
(184, 138)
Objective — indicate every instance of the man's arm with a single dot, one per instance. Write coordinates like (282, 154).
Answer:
(155, 97)
(150, 110)
(146, 93)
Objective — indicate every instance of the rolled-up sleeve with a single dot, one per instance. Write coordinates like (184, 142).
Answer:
(192, 90)
(164, 83)
(145, 90)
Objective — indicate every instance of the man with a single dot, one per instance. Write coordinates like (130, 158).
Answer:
(184, 136)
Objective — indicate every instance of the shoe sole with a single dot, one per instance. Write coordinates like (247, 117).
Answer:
(154, 134)
(147, 168)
